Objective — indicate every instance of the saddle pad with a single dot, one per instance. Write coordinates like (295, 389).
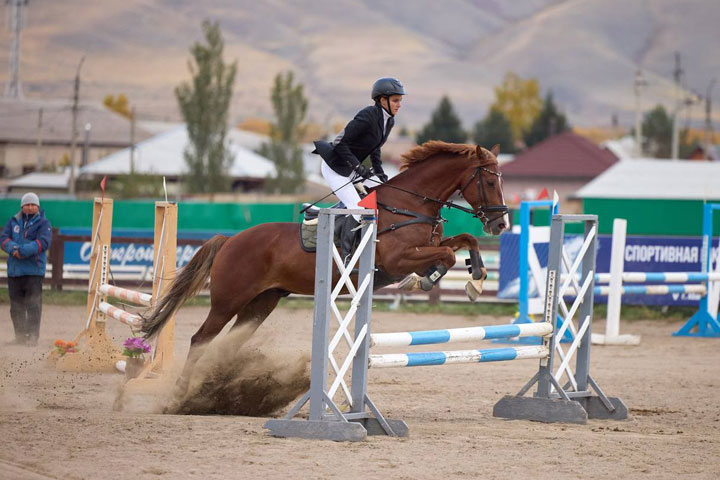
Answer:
(308, 236)
(308, 233)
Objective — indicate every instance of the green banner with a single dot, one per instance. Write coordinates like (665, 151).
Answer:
(203, 216)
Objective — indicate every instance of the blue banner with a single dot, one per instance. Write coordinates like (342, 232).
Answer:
(642, 254)
(126, 254)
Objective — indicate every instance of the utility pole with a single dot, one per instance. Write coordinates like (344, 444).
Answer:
(86, 146)
(640, 84)
(40, 162)
(677, 75)
(13, 88)
(132, 141)
(73, 142)
(708, 119)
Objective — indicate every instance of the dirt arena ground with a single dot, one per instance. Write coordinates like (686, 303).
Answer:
(63, 426)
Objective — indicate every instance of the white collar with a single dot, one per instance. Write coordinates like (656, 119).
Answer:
(386, 116)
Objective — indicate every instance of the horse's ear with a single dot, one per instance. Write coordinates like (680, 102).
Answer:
(481, 153)
(496, 149)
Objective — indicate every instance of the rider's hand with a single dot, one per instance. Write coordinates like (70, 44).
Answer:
(363, 171)
(382, 176)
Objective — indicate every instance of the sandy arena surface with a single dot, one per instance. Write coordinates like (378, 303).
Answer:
(63, 425)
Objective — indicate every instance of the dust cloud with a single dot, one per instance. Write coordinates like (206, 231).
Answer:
(232, 378)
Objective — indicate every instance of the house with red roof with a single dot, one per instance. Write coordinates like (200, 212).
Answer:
(564, 163)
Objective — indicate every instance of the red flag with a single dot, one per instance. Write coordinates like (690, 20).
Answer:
(102, 186)
(369, 202)
(543, 194)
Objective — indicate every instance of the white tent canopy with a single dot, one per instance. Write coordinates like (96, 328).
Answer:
(163, 155)
(656, 179)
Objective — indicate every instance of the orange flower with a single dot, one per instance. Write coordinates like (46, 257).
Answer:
(70, 344)
(59, 343)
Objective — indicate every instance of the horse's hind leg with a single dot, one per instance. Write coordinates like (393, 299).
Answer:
(252, 314)
(255, 312)
(213, 324)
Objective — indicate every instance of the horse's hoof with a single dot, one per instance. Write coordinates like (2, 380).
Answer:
(483, 275)
(426, 284)
(473, 288)
(409, 283)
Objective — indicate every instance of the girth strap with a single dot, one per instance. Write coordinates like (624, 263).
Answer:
(418, 218)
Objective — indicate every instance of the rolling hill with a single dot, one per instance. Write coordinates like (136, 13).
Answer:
(586, 51)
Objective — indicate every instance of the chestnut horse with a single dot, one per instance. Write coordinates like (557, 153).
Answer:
(251, 271)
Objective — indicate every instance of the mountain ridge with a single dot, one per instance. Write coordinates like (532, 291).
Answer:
(585, 51)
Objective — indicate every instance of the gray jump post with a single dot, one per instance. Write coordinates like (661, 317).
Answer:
(580, 397)
(553, 402)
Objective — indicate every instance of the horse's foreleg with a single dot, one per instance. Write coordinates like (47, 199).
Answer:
(428, 263)
(464, 240)
(474, 287)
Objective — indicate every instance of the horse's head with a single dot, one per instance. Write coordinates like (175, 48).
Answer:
(481, 186)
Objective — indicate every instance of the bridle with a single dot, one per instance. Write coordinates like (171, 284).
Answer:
(482, 211)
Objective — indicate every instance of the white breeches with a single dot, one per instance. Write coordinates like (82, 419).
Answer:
(344, 189)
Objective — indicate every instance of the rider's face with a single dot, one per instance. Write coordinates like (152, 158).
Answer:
(395, 103)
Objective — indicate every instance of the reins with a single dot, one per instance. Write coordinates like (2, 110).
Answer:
(479, 213)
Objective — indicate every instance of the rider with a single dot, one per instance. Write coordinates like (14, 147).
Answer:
(362, 136)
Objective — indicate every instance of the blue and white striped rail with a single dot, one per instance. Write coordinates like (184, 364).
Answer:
(458, 356)
(654, 289)
(647, 289)
(426, 337)
(660, 277)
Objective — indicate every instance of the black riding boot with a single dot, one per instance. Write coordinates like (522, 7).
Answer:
(349, 238)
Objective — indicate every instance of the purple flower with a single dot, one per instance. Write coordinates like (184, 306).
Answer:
(136, 346)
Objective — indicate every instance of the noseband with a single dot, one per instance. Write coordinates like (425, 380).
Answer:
(482, 211)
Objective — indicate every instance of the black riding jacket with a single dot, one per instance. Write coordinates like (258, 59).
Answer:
(361, 137)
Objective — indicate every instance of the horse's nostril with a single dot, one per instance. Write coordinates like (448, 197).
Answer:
(502, 226)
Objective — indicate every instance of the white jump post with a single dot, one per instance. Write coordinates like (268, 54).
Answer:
(614, 302)
(99, 353)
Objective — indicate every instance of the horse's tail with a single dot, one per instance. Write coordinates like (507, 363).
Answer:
(191, 280)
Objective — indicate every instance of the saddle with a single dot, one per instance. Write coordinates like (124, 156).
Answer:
(308, 229)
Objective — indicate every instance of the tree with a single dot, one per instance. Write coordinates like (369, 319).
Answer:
(204, 103)
(657, 132)
(548, 123)
(118, 104)
(286, 133)
(444, 125)
(519, 100)
(494, 129)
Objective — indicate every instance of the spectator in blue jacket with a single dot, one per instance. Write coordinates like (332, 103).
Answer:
(26, 238)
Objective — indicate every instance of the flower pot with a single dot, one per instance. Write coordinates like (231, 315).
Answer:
(133, 367)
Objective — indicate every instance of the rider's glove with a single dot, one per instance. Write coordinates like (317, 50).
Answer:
(363, 171)
(382, 176)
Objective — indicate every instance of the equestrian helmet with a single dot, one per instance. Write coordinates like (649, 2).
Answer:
(386, 86)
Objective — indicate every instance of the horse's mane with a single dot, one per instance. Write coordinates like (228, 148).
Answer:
(429, 149)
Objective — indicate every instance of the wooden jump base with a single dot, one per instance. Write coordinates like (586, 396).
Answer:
(577, 400)
(98, 353)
